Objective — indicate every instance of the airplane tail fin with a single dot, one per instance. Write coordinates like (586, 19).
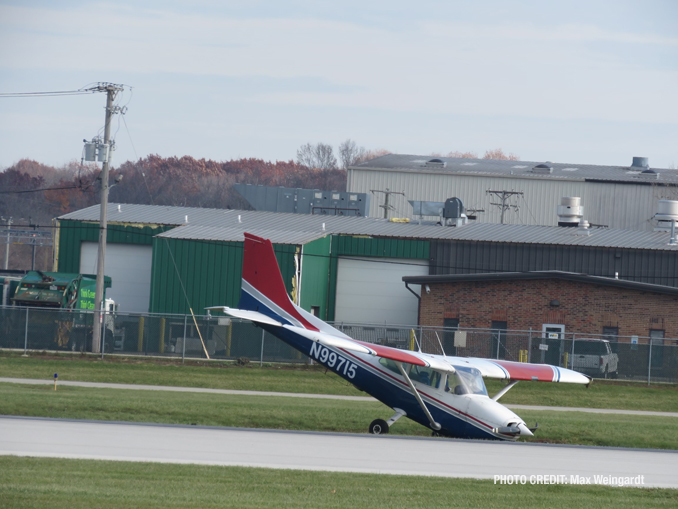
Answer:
(263, 289)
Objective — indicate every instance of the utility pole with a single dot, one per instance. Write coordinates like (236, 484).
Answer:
(111, 91)
(387, 194)
(504, 196)
(9, 225)
(35, 227)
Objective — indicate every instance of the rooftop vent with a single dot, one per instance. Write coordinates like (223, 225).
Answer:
(667, 216)
(649, 173)
(543, 168)
(639, 163)
(454, 213)
(570, 211)
(583, 228)
(436, 163)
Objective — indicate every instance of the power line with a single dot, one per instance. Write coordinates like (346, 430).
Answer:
(79, 186)
(46, 94)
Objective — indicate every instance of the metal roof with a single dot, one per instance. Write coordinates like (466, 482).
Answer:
(547, 274)
(288, 228)
(196, 232)
(518, 169)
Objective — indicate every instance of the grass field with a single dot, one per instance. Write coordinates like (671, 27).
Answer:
(308, 414)
(73, 484)
(314, 379)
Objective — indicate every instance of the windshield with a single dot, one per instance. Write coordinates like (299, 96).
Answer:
(466, 381)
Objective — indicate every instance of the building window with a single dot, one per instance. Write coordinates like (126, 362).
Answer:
(610, 333)
(451, 325)
(498, 340)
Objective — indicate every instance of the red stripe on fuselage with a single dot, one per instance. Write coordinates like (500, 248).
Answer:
(260, 269)
(407, 387)
(523, 371)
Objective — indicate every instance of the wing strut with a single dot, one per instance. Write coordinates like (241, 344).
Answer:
(504, 390)
(434, 424)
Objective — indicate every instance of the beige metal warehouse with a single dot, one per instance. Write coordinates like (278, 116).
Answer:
(620, 197)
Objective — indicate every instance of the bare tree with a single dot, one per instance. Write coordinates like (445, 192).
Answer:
(320, 156)
(351, 154)
(498, 153)
(464, 155)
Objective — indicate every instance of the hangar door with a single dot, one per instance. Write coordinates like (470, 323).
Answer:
(371, 290)
(129, 266)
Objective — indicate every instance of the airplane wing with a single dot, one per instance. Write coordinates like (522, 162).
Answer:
(343, 342)
(245, 314)
(264, 300)
(510, 370)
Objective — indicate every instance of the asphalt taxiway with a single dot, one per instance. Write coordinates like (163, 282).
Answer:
(97, 440)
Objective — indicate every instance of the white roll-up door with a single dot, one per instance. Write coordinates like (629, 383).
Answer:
(371, 290)
(129, 266)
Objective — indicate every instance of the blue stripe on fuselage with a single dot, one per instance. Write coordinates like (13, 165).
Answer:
(381, 385)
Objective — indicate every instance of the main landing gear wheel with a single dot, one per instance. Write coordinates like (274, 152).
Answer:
(378, 427)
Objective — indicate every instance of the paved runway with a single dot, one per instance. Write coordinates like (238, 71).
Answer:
(22, 436)
(138, 387)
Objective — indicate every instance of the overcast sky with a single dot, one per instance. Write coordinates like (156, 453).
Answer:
(591, 81)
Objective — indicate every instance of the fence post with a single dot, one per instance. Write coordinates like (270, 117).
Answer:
(529, 346)
(573, 340)
(103, 331)
(26, 335)
(498, 342)
(649, 363)
(261, 358)
(140, 335)
(183, 343)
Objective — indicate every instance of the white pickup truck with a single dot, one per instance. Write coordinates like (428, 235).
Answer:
(594, 357)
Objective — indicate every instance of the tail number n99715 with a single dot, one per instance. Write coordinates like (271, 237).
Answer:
(333, 360)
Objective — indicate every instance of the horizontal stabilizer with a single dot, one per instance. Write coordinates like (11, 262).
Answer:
(328, 340)
(252, 316)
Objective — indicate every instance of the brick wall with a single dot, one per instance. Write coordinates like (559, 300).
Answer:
(583, 308)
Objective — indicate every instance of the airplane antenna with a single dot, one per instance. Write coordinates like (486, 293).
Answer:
(413, 338)
(441, 345)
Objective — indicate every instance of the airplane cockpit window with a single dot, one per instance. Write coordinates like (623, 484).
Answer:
(389, 364)
(425, 376)
(419, 374)
(466, 381)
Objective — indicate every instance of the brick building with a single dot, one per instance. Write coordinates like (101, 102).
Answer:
(549, 301)
(554, 307)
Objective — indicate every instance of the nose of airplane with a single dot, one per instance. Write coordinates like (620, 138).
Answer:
(524, 430)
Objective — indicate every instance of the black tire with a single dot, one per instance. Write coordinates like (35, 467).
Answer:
(378, 427)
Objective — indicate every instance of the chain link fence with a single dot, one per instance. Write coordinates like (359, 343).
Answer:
(182, 336)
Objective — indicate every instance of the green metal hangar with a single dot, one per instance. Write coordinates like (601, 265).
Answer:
(344, 269)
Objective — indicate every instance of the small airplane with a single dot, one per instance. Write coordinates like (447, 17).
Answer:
(446, 394)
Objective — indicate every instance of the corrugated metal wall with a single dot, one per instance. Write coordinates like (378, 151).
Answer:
(315, 275)
(73, 233)
(455, 257)
(344, 245)
(622, 206)
(210, 271)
